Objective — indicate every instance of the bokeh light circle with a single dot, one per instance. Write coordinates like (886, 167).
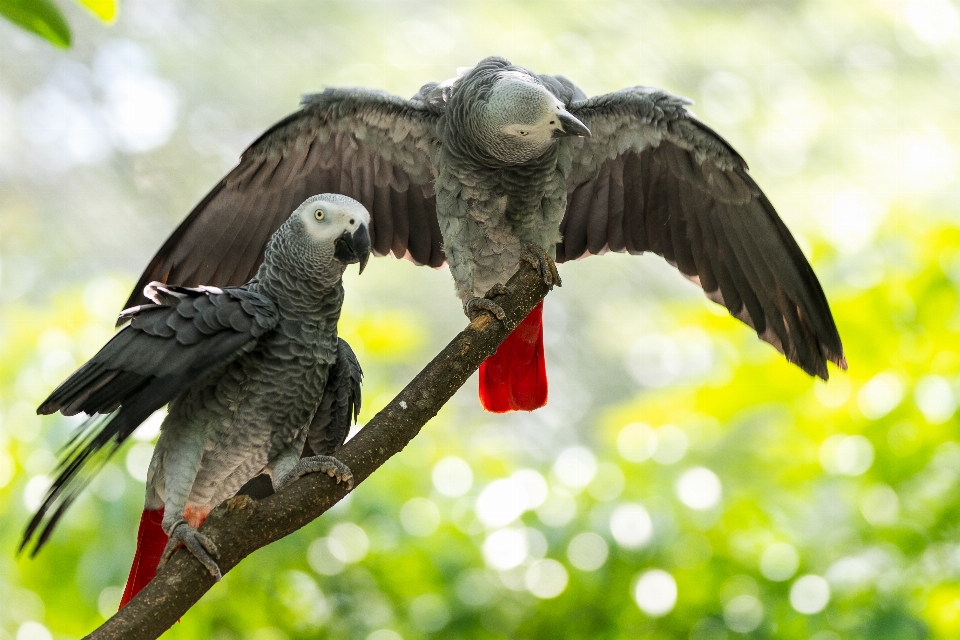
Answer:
(699, 488)
(655, 592)
(809, 594)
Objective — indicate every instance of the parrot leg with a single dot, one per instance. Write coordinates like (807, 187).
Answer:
(535, 255)
(198, 544)
(316, 464)
(482, 304)
(543, 263)
(486, 304)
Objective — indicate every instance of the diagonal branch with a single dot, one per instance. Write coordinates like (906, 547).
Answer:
(242, 525)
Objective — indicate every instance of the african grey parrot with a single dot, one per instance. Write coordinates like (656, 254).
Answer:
(497, 158)
(250, 373)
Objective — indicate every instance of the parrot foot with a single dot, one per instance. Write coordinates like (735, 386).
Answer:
(484, 304)
(535, 255)
(198, 544)
(317, 464)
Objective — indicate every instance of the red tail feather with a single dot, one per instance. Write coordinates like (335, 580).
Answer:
(515, 377)
(150, 543)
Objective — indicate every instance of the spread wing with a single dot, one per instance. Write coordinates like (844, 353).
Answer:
(369, 145)
(340, 404)
(654, 178)
(170, 344)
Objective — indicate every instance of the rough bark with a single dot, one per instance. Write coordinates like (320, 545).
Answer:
(242, 525)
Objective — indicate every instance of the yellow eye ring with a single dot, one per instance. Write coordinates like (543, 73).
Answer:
(318, 214)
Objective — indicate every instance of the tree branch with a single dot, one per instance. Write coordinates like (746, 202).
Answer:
(242, 525)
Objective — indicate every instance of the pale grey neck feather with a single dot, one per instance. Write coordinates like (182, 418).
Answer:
(299, 275)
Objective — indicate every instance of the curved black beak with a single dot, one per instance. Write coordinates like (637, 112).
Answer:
(570, 126)
(354, 247)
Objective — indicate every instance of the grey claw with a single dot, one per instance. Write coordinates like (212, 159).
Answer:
(202, 547)
(542, 262)
(476, 304)
(318, 464)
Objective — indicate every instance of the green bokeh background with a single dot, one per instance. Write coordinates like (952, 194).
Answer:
(674, 441)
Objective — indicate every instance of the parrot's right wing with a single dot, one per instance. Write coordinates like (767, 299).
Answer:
(340, 404)
(169, 345)
(369, 145)
(654, 178)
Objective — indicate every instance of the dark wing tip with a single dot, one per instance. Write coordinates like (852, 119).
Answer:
(838, 360)
(813, 363)
(821, 370)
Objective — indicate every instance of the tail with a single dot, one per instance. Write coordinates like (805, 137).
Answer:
(515, 377)
(151, 541)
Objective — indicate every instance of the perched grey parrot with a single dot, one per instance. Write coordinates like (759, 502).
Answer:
(475, 170)
(250, 373)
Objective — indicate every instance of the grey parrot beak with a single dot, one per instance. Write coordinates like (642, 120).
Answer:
(571, 126)
(353, 247)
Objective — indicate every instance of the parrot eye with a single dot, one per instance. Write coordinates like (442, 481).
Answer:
(318, 214)
(522, 133)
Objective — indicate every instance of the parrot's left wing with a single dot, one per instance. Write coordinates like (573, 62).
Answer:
(340, 404)
(185, 335)
(654, 178)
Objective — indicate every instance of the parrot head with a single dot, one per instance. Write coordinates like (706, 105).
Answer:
(521, 118)
(333, 226)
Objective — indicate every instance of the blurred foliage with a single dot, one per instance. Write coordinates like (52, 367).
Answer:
(683, 482)
(43, 18)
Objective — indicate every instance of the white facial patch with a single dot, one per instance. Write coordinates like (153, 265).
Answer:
(326, 217)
